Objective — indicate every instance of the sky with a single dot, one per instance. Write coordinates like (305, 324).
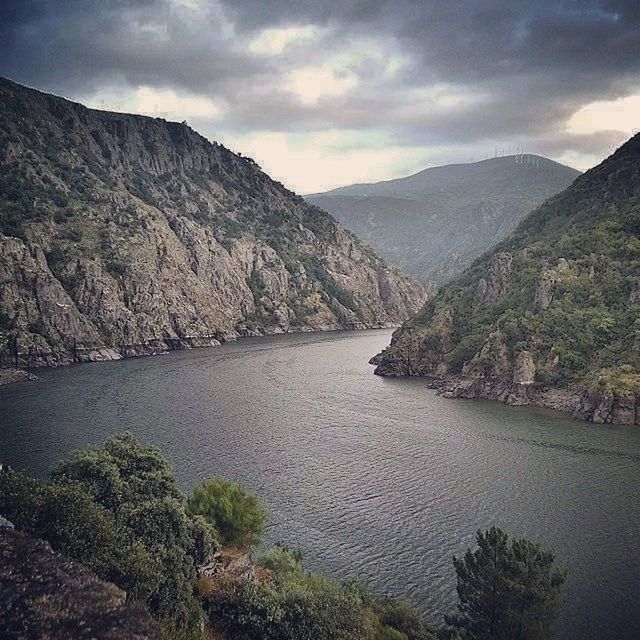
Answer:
(323, 94)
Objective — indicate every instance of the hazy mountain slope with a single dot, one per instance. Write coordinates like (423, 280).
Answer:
(551, 316)
(126, 235)
(435, 222)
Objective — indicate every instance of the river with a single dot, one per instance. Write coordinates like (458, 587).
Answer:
(375, 477)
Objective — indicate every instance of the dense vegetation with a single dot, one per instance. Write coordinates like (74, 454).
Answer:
(117, 510)
(434, 223)
(564, 287)
(235, 513)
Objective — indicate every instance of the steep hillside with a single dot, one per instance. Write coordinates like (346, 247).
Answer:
(434, 223)
(125, 235)
(551, 316)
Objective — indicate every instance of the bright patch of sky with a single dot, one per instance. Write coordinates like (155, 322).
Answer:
(275, 41)
(320, 160)
(158, 103)
(622, 114)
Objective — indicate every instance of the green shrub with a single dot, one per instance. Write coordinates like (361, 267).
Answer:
(235, 513)
(284, 562)
(312, 607)
(388, 633)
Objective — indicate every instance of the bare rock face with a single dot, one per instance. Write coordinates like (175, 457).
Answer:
(130, 235)
(499, 277)
(524, 370)
(548, 282)
(43, 595)
(524, 373)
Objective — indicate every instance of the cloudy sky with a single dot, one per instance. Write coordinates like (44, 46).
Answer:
(329, 93)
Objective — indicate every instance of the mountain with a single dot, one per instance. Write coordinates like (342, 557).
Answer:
(434, 223)
(125, 235)
(551, 316)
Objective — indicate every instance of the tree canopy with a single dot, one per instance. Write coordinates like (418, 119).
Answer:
(508, 589)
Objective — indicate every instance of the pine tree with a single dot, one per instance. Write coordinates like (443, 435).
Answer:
(508, 589)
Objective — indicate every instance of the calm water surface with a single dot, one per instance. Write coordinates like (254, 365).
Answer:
(369, 476)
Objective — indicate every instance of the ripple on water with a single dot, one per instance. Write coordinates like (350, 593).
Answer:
(372, 476)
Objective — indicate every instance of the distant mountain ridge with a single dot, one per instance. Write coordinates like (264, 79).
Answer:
(435, 222)
(550, 316)
(126, 235)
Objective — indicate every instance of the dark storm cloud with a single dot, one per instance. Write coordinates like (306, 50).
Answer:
(520, 68)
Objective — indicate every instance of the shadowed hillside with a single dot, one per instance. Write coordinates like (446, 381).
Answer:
(435, 222)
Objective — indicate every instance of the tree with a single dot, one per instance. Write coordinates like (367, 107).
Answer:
(508, 589)
(235, 513)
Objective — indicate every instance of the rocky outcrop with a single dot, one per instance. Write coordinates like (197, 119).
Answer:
(549, 280)
(43, 595)
(124, 235)
(11, 375)
(489, 289)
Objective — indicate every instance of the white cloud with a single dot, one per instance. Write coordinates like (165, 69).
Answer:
(317, 161)
(159, 103)
(312, 83)
(361, 53)
(274, 41)
(438, 99)
(621, 115)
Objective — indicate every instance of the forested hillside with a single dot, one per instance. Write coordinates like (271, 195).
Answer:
(551, 316)
(434, 223)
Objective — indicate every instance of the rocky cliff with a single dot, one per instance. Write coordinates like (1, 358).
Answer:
(434, 223)
(124, 235)
(551, 316)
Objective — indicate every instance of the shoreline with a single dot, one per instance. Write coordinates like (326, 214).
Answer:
(11, 374)
(574, 400)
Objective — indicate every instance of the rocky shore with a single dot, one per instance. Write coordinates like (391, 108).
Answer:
(520, 389)
(11, 375)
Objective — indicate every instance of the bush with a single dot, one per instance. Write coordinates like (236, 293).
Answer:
(235, 513)
(310, 607)
(117, 509)
(296, 605)
(284, 562)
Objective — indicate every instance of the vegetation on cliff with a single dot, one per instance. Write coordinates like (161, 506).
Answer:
(124, 235)
(555, 305)
(117, 510)
(434, 223)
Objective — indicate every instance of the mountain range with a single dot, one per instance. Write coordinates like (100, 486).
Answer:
(551, 315)
(434, 223)
(126, 235)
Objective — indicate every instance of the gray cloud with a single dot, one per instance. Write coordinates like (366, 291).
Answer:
(502, 69)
